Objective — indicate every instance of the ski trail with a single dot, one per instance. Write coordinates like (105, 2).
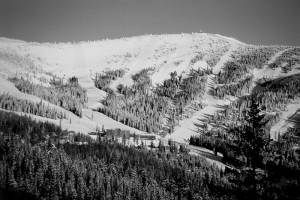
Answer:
(284, 123)
(281, 126)
(187, 127)
(276, 55)
(266, 71)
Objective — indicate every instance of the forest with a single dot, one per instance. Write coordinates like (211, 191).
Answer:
(35, 169)
(12, 103)
(70, 95)
(32, 167)
(26, 128)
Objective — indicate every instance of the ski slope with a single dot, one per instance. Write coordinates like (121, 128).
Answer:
(163, 53)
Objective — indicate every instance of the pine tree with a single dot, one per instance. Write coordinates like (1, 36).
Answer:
(253, 140)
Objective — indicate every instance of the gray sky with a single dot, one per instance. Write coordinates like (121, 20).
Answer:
(251, 21)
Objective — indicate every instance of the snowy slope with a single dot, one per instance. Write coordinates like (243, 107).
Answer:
(164, 53)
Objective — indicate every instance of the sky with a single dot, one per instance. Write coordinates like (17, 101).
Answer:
(251, 21)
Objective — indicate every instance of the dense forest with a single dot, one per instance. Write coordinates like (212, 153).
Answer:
(11, 103)
(25, 127)
(104, 170)
(69, 95)
(32, 167)
(256, 56)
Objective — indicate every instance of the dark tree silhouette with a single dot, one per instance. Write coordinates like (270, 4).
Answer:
(253, 139)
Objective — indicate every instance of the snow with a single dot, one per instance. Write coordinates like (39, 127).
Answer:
(267, 72)
(164, 53)
(284, 123)
(208, 155)
(85, 58)
(187, 127)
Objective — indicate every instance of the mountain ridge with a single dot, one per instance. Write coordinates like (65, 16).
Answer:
(165, 53)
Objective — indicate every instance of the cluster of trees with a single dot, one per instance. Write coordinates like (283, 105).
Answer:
(287, 60)
(142, 81)
(218, 143)
(235, 89)
(233, 80)
(276, 94)
(103, 80)
(271, 168)
(143, 107)
(184, 90)
(11, 103)
(231, 72)
(197, 58)
(138, 107)
(70, 95)
(214, 55)
(256, 56)
(27, 128)
(141, 111)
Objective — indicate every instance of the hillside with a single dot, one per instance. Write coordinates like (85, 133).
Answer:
(130, 82)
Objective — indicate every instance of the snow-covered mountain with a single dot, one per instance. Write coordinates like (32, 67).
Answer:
(39, 62)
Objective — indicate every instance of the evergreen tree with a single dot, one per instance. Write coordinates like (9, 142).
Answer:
(253, 139)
